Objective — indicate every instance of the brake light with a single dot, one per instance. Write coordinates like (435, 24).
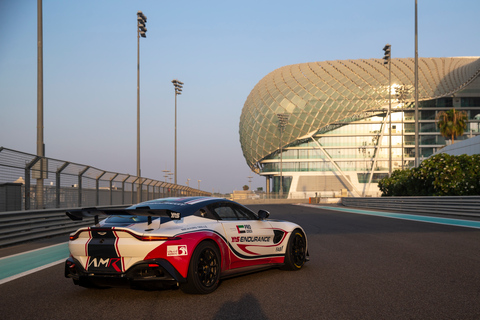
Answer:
(74, 236)
(155, 238)
(139, 237)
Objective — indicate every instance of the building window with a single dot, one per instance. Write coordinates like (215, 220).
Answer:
(471, 102)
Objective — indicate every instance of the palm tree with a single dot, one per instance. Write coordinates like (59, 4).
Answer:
(452, 123)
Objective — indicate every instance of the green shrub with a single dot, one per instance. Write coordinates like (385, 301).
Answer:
(439, 175)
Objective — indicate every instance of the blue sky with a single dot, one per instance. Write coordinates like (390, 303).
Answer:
(219, 49)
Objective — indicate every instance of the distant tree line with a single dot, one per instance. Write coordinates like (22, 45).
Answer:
(439, 175)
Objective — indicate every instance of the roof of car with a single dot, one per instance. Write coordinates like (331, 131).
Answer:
(186, 205)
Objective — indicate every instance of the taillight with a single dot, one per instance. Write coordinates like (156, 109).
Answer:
(155, 238)
(74, 236)
(139, 237)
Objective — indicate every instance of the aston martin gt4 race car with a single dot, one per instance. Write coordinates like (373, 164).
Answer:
(190, 242)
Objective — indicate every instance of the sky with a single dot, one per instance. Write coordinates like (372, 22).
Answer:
(219, 49)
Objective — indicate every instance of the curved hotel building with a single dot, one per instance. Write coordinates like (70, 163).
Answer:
(322, 127)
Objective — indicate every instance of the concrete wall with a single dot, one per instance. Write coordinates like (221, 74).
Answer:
(287, 201)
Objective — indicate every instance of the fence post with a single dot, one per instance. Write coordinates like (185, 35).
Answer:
(148, 190)
(111, 188)
(123, 188)
(80, 185)
(142, 181)
(161, 193)
(153, 190)
(27, 188)
(158, 189)
(57, 183)
(133, 193)
(97, 188)
(28, 167)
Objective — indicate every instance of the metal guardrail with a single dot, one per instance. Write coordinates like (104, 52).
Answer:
(21, 226)
(458, 205)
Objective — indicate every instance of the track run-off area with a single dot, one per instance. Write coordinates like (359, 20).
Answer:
(363, 265)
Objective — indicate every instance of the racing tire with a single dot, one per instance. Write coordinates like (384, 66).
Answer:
(204, 269)
(295, 256)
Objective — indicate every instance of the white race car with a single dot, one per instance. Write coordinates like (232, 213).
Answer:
(190, 242)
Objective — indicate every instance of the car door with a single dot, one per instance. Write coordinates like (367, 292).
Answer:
(250, 240)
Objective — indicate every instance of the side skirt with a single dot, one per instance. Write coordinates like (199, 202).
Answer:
(246, 270)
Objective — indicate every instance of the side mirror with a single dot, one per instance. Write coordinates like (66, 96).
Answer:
(263, 214)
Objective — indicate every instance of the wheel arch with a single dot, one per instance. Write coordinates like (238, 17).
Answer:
(223, 249)
(203, 272)
(292, 258)
(303, 232)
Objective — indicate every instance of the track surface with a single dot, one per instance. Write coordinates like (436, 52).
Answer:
(361, 267)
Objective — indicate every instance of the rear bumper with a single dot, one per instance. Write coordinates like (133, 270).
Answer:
(147, 271)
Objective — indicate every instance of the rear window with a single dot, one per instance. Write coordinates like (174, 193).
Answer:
(127, 220)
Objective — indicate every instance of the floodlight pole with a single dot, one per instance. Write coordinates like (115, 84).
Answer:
(390, 117)
(40, 140)
(141, 30)
(282, 123)
(417, 129)
(178, 90)
(388, 60)
(403, 91)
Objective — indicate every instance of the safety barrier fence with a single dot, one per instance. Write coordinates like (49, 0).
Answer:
(31, 182)
(460, 206)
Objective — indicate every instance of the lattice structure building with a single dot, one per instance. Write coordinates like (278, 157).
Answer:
(336, 136)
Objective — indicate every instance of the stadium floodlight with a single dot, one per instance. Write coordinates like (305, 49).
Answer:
(387, 56)
(141, 21)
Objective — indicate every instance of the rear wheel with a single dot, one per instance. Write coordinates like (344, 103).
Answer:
(295, 255)
(204, 269)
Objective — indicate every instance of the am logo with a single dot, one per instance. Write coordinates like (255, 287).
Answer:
(105, 263)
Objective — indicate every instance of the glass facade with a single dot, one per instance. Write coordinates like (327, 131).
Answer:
(337, 133)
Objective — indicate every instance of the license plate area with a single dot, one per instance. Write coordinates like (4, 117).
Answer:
(105, 265)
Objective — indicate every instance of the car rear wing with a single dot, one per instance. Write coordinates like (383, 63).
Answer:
(79, 214)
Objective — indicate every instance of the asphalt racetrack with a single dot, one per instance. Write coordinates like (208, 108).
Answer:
(361, 267)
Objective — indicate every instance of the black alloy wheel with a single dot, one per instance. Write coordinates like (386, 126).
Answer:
(207, 268)
(204, 269)
(295, 256)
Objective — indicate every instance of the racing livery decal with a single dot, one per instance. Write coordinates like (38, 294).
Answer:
(105, 264)
(244, 228)
(180, 250)
(251, 239)
(102, 251)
